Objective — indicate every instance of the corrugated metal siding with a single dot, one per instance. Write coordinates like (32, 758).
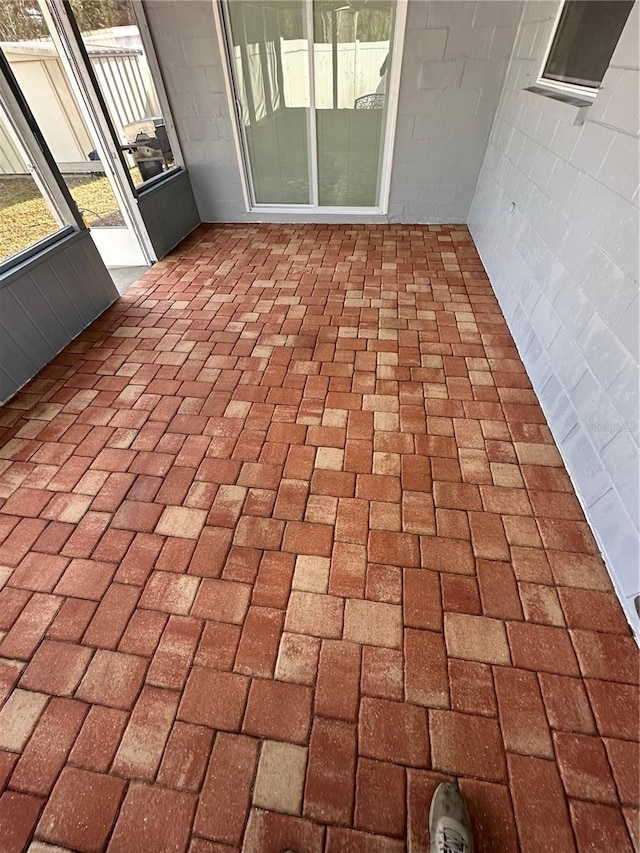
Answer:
(45, 303)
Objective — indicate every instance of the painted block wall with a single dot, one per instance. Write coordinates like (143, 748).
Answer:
(454, 62)
(555, 218)
(186, 44)
(453, 66)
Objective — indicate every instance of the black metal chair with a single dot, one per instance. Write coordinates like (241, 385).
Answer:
(370, 102)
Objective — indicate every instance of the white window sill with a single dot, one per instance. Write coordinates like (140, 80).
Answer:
(562, 104)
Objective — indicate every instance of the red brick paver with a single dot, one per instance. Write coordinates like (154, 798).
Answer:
(284, 542)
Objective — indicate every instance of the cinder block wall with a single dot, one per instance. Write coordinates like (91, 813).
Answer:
(186, 44)
(555, 218)
(453, 67)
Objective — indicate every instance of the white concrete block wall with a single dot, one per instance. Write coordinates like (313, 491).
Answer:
(186, 44)
(454, 62)
(555, 217)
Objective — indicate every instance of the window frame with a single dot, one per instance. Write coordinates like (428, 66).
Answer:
(225, 42)
(161, 91)
(158, 82)
(45, 171)
(561, 86)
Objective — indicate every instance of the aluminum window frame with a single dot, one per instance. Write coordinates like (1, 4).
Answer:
(222, 21)
(63, 31)
(568, 88)
(158, 82)
(45, 172)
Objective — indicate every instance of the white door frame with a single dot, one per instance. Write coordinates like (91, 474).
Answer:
(133, 241)
(158, 81)
(393, 90)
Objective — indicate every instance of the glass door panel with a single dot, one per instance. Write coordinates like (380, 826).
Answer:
(270, 64)
(310, 80)
(352, 60)
(34, 60)
(111, 37)
(27, 214)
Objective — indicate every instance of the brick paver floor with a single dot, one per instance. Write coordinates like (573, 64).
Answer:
(285, 541)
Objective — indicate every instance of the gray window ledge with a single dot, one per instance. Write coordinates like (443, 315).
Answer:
(565, 106)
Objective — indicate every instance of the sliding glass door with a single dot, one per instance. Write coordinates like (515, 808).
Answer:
(351, 47)
(270, 51)
(315, 99)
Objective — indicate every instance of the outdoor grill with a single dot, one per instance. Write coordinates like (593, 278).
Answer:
(148, 142)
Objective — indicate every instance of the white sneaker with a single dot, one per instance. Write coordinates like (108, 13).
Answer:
(449, 823)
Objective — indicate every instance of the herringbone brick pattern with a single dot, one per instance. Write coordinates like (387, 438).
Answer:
(284, 541)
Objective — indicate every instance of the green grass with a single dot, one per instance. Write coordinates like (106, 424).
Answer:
(25, 217)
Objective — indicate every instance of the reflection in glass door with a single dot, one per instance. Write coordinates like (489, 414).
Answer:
(89, 70)
(315, 88)
(119, 232)
(36, 58)
(271, 72)
(351, 48)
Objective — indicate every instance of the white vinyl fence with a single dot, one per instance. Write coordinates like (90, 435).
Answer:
(358, 66)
